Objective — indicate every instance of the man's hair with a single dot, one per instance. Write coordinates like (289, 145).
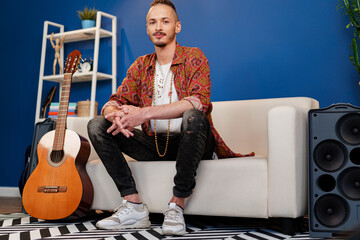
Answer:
(166, 2)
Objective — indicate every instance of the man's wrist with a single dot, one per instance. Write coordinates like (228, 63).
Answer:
(109, 109)
(147, 113)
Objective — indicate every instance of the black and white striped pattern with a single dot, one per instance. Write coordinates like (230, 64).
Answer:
(27, 228)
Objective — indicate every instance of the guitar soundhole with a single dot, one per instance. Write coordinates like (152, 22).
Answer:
(56, 156)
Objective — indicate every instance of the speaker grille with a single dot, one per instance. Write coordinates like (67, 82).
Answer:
(349, 128)
(331, 210)
(326, 183)
(355, 156)
(349, 183)
(330, 155)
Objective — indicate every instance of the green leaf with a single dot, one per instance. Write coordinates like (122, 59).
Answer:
(87, 14)
(355, 57)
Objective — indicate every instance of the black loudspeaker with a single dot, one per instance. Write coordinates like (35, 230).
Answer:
(334, 170)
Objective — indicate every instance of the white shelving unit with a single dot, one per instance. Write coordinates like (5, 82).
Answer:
(95, 34)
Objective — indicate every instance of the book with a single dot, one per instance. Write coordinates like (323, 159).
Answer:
(54, 109)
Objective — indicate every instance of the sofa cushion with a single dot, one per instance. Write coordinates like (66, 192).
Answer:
(218, 181)
(243, 124)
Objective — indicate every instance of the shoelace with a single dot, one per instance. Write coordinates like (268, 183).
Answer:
(172, 214)
(122, 209)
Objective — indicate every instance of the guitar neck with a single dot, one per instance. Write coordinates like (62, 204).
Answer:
(62, 114)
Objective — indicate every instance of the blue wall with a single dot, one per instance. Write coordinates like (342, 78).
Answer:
(256, 49)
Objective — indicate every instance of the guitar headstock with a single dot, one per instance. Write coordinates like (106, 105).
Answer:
(72, 62)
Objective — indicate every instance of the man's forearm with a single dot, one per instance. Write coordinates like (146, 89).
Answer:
(126, 117)
(167, 111)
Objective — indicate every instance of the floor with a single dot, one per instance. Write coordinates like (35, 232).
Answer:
(16, 225)
(13, 205)
(10, 205)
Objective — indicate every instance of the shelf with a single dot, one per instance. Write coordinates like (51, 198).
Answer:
(81, 35)
(68, 117)
(78, 77)
(94, 33)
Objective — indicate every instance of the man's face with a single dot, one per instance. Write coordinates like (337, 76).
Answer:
(162, 25)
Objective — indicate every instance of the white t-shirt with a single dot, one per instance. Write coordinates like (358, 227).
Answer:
(162, 96)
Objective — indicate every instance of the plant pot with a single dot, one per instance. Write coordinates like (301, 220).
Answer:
(87, 23)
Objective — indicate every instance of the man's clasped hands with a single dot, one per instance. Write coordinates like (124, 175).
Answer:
(124, 119)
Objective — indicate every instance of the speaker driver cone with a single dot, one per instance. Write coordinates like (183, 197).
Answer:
(349, 182)
(349, 128)
(330, 155)
(331, 210)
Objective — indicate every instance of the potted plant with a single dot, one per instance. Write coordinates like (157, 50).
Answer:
(352, 9)
(87, 17)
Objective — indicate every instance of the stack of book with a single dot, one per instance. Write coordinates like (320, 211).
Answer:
(54, 109)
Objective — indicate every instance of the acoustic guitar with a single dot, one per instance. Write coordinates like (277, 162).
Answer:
(59, 186)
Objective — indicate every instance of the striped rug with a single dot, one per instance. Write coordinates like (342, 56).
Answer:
(198, 227)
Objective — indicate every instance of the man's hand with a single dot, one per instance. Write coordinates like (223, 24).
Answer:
(126, 117)
(114, 115)
(134, 116)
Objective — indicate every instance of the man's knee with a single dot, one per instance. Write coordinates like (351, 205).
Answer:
(193, 119)
(191, 114)
(96, 124)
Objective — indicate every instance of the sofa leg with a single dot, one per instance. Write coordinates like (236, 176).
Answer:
(288, 226)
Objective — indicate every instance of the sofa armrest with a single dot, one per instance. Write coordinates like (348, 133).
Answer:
(287, 161)
(79, 125)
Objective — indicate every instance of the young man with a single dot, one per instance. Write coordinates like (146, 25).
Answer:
(168, 94)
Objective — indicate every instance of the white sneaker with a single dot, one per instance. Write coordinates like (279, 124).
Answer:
(174, 223)
(127, 215)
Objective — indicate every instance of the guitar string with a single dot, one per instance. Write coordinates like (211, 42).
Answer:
(60, 140)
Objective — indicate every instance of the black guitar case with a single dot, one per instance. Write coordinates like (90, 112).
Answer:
(31, 158)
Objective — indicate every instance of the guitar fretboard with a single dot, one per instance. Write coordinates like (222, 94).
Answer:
(62, 115)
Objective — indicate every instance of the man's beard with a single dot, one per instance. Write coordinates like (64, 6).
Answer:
(160, 44)
(163, 44)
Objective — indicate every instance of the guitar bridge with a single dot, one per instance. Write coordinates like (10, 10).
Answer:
(52, 189)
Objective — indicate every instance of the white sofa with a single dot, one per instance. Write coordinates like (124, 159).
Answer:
(273, 183)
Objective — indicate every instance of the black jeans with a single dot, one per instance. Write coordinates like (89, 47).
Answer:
(195, 142)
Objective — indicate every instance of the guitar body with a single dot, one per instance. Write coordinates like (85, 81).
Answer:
(59, 189)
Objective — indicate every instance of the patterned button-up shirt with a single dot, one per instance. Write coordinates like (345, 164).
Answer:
(192, 82)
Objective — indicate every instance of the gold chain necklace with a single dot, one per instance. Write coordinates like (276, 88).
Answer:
(168, 131)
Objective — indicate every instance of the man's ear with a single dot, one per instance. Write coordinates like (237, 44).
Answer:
(178, 27)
